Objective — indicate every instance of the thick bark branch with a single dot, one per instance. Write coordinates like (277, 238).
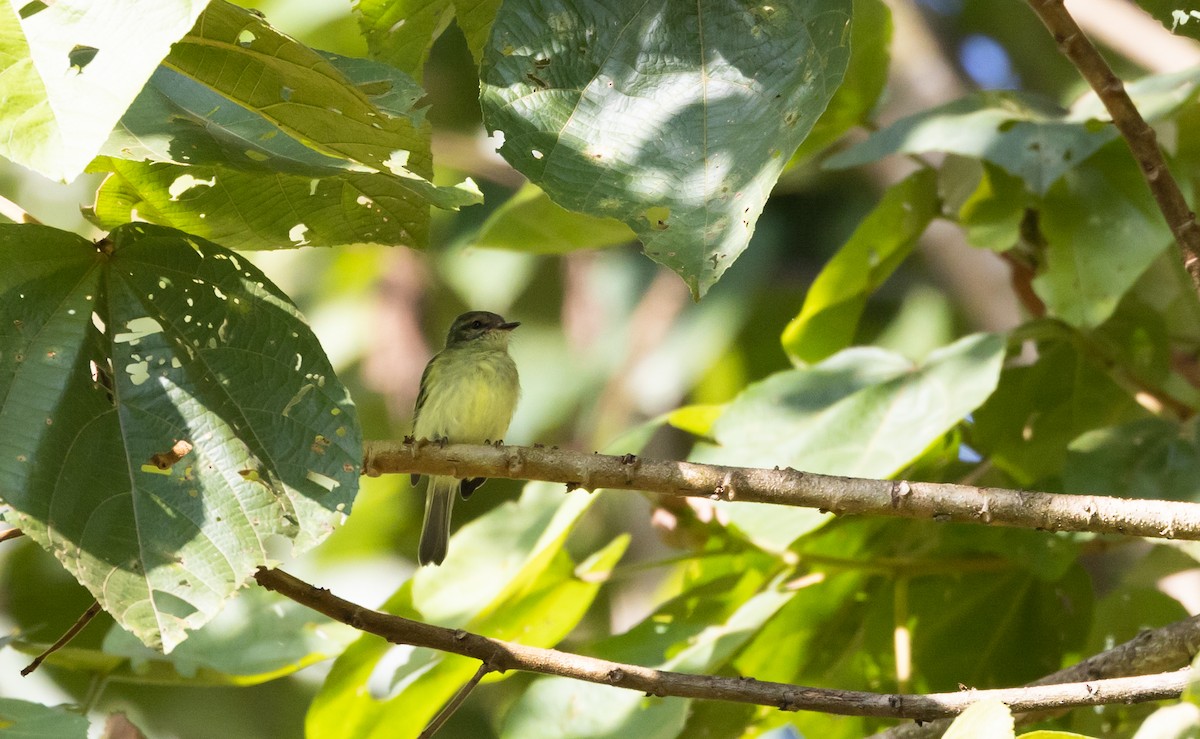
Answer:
(1137, 133)
(502, 655)
(840, 495)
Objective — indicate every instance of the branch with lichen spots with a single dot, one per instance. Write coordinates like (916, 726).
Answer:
(839, 495)
(501, 656)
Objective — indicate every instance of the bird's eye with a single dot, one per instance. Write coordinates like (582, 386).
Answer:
(476, 324)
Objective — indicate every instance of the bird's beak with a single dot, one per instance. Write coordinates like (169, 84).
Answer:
(509, 326)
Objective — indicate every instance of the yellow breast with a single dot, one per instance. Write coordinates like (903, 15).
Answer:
(471, 397)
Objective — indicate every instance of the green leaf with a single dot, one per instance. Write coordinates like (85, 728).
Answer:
(866, 76)
(34, 721)
(863, 412)
(883, 240)
(505, 570)
(235, 52)
(63, 97)
(1038, 409)
(1148, 458)
(180, 120)
(246, 210)
(1026, 135)
(987, 719)
(992, 215)
(1012, 627)
(1103, 229)
(166, 415)
(401, 32)
(674, 118)
(254, 166)
(556, 706)
(257, 637)
(530, 221)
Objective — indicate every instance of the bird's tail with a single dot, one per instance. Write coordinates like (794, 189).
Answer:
(435, 532)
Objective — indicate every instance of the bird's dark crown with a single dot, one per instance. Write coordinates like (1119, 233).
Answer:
(477, 324)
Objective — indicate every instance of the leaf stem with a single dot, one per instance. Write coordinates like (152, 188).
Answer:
(77, 627)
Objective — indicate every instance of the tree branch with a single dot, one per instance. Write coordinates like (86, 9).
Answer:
(840, 495)
(1158, 650)
(501, 656)
(1140, 137)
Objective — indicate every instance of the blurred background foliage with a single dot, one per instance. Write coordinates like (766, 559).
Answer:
(1097, 394)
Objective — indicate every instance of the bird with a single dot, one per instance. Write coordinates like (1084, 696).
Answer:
(468, 394)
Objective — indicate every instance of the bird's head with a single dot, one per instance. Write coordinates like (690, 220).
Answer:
(480, 326)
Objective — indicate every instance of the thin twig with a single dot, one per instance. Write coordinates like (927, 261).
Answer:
(1140, 137)
(839, 495)
(502, 655)
(455, 702)
(81, 622)
(10, 534)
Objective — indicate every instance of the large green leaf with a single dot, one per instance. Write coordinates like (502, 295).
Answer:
(863, 412)
(1026, 135)
(882, 241)
(401, 32)
(70, 70)
(182, 120)
(676, 118)
(165, 415)
(24, 720)
(1103, 229)
(254, 166)
(236, 53)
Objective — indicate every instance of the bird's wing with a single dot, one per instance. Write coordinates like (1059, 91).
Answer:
(421, 395)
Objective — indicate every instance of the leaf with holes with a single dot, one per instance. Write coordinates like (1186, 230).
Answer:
(676, 118)
(166, 420)
(248, 210)
(71, 69)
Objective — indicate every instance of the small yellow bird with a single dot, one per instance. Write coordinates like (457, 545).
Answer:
(468, 394)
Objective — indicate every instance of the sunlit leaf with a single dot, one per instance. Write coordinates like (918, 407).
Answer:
(674, 118)
(987, 719)
(245, 210)
(62, 97)
(863, 412)
(165, 415)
